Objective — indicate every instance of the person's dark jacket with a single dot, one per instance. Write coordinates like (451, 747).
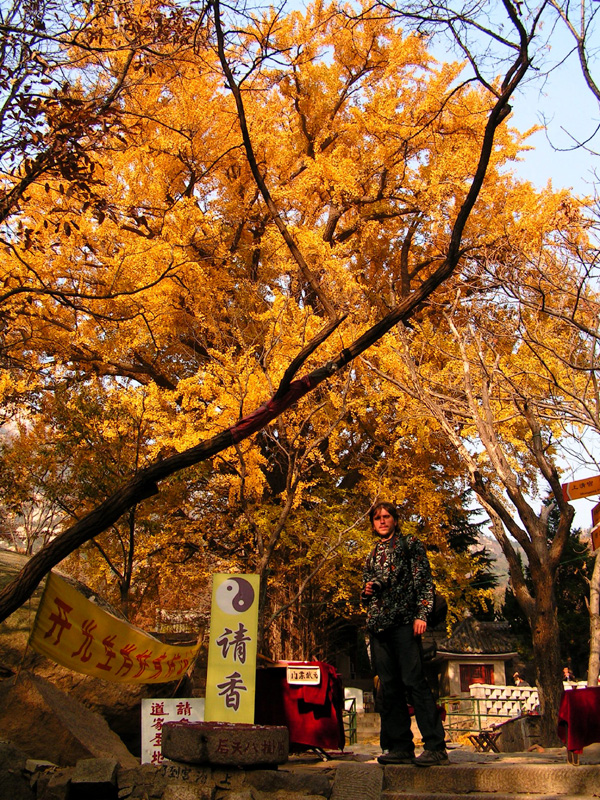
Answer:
(404, 590)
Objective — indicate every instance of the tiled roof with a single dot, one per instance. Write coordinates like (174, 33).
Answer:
(474, 637)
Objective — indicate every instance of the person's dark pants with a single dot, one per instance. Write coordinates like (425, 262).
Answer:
(396, 655)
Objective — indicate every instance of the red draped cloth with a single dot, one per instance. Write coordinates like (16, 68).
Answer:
(312, 714)
(579, 718)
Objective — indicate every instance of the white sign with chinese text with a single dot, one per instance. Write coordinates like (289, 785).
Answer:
(156, 712)
(303, 676)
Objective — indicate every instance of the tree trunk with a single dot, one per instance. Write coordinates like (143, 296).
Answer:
(263, 576)
(594, 662)
(546, 654)
(124, 596)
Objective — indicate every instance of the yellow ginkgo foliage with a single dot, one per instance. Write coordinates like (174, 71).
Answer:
(169, 306)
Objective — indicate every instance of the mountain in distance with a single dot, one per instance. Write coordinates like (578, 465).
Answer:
(499, 566)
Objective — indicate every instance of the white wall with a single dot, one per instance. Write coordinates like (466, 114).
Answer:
(453, 674)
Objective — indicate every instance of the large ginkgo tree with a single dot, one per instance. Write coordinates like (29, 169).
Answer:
(269, 194)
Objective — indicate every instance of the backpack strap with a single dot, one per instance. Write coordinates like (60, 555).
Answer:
(371, 558)
(404, 546)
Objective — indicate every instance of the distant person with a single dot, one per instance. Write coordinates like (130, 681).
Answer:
(568, 676)
(398, 593)
(519, 681)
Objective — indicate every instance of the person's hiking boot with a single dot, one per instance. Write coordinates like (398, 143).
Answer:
(431, 758)
(396, 757)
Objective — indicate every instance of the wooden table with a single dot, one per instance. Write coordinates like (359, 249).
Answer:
(485, 741)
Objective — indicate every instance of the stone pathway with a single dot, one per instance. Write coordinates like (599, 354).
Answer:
(367, 753)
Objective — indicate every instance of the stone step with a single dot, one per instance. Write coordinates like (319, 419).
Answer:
(487, 796)
(367, 728)
(367, 719)
(492, 779)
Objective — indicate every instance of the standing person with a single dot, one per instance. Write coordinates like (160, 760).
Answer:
(568, 676)
(398, 591)
(519, 681)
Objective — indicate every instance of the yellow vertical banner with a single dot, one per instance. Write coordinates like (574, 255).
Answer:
(231, 673)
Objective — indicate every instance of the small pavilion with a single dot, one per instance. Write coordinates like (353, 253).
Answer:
(476, 652)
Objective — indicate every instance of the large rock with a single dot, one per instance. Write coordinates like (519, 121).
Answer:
(519, 734)
(119, 703)
(49, 724)
(94, 779)
(225, 743)
(14, 779)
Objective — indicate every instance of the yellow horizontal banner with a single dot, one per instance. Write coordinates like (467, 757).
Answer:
(76, 633)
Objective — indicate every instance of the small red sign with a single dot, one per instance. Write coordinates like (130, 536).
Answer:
(596, 537)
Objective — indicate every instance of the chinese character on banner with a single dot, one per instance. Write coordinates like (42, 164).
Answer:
(231, 675)
(235, 642)
(231, 689)
(75, 632)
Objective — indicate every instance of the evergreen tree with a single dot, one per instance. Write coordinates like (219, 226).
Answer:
(465, 536)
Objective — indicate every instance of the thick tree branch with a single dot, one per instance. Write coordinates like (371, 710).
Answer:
(260, 181)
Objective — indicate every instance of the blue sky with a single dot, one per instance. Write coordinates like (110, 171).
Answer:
(570, 110)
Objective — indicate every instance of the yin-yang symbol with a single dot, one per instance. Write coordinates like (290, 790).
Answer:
(234, 596)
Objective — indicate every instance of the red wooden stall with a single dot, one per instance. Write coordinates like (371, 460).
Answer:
(579, 720)
(311, 711)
